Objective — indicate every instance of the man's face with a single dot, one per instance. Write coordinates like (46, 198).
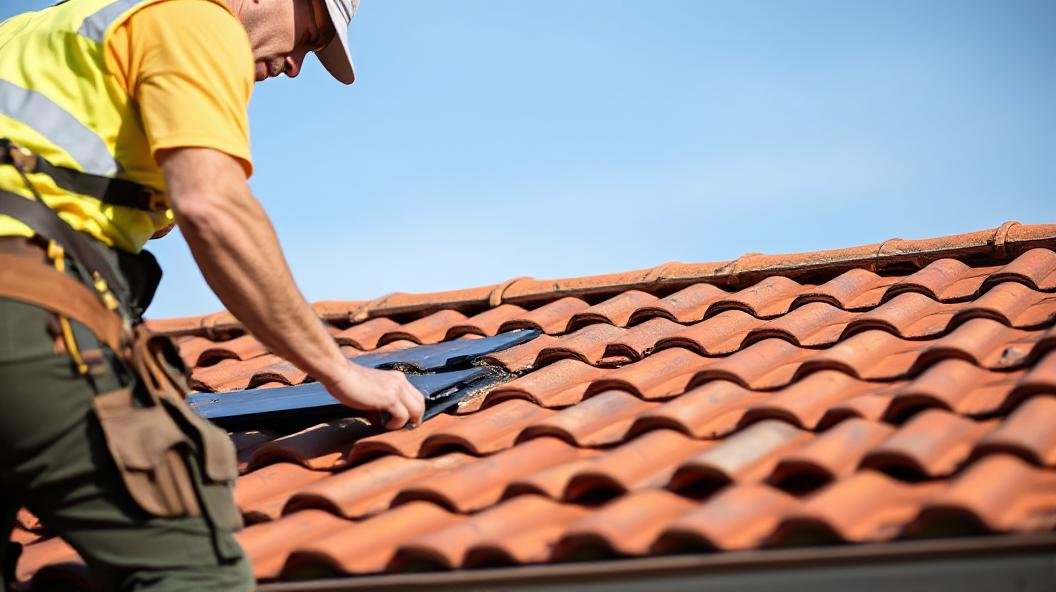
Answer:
(286, 33)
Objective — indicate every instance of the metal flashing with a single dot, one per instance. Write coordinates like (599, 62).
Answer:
(446, 355)
(445, 373)
(252, 408)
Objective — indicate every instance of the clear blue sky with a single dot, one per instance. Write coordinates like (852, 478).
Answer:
(488, 139)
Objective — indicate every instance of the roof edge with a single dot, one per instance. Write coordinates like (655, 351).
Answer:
(561, 576)
(1003, 242)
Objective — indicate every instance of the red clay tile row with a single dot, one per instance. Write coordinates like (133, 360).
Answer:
(24, 537)
(999, 493)
(197, 350)
(609, 345)
(932, 445)
(890, 256)
(943, 281)
(909, 315)
(49, 552)
(771, 364)
(532, 407)
(232, 374)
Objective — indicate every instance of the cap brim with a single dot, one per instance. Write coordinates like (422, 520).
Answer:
(335, 57)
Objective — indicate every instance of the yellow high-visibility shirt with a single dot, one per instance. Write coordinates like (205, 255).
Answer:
(188, 68)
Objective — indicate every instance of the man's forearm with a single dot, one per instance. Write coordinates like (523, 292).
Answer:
(236, 248)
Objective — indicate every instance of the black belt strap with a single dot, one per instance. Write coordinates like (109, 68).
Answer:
(118, 192)
(45, 222)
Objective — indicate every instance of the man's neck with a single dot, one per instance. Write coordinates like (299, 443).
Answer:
(236, 6)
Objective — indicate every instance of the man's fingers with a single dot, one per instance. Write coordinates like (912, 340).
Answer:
(387, 392)
(415, 404)
(398, 415)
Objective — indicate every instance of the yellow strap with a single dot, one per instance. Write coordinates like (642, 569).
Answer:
(58, 256)
(104, 291)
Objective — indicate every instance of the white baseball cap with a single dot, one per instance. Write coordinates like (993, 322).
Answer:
(335, 56)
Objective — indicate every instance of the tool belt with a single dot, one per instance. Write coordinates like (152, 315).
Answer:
(172, 461)
(29, 280)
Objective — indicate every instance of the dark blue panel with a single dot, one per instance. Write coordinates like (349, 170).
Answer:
(425, 358)
(261, 405)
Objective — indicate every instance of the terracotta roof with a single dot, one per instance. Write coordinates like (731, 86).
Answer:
(888, 392)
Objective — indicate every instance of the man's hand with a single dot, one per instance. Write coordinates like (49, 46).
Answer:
(386, 391)
(235, 246)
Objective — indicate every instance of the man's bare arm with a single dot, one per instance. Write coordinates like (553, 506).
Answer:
(235, 246)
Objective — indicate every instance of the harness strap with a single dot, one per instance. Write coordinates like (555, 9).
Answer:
(46, 223)
(29, 280)
(117, 192)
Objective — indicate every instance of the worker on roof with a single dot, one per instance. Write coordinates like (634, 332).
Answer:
(118, 119)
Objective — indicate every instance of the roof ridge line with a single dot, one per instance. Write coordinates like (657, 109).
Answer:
(1004, 241)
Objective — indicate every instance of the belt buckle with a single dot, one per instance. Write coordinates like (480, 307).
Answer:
(23, 159)
(155, 200)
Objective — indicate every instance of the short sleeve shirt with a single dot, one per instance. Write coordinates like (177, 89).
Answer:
(189, 67)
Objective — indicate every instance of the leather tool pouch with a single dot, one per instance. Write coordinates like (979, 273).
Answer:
(150, 451)
(173, 462)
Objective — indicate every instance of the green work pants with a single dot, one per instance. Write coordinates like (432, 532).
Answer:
(54, 461)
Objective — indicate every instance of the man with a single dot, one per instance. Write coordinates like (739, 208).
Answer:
(119, 118)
